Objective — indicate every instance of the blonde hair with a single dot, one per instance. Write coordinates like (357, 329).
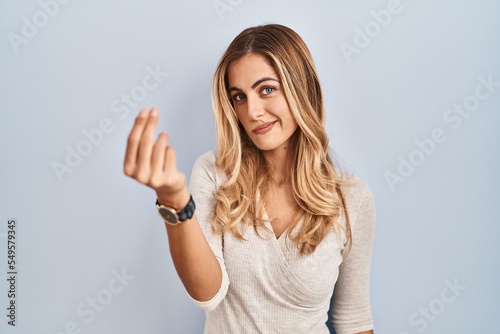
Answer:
(315, 180)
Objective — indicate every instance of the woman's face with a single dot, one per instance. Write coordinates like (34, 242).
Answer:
(260, 102)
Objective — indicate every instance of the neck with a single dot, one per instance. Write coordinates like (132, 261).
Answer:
(278, 162)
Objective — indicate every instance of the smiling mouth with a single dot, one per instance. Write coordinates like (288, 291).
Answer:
(264, 128)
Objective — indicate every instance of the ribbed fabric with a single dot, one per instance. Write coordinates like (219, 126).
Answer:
(269, 287)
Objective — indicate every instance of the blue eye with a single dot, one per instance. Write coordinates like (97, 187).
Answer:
(268, 90)
(238, 97)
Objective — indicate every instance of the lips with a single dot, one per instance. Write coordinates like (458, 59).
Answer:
(264, 128)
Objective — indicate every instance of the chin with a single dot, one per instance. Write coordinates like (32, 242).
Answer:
(267, 147)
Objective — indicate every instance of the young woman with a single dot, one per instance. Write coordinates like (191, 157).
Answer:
(271, 228)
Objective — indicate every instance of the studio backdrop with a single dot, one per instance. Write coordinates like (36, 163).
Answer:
(412, 92)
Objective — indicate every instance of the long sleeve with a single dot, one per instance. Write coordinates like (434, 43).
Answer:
(351, 300)
(203, 184)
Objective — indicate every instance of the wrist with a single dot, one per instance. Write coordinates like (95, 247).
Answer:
(173, 216)
(176, 200)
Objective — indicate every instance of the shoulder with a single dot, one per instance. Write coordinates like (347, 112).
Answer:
(207, 159)
(204, 166)
(359, 199)
(354, 187)
(204, 169)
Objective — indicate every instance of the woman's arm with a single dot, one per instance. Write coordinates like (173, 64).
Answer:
(351, 298)
(154, 164)
(193, 258)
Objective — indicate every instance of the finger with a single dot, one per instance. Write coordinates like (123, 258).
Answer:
(158, 156)
(133, 141)
(170, 160)
(172, 176)
(146, 144)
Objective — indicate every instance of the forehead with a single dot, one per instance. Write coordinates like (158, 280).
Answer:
(245, 71)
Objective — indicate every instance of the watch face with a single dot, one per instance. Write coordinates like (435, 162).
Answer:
(170, 216)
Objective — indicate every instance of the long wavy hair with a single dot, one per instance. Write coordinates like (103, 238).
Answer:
(315, 179)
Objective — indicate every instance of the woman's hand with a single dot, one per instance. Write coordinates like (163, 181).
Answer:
(154, 164)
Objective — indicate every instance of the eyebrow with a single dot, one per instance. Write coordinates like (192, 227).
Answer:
(258, 82)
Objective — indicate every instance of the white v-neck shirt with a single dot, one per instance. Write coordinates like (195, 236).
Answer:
(269, 287)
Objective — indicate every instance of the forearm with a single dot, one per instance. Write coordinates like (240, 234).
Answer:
(194, 260)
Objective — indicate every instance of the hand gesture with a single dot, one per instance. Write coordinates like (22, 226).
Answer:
(154, 164)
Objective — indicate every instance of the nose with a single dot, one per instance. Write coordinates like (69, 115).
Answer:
(255, 109)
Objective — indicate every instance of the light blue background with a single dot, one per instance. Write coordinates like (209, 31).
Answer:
(440, 224)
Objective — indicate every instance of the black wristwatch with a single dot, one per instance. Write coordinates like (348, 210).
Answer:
(172, 217)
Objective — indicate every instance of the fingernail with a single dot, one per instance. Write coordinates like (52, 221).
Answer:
(143, 113)
(154, 112)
